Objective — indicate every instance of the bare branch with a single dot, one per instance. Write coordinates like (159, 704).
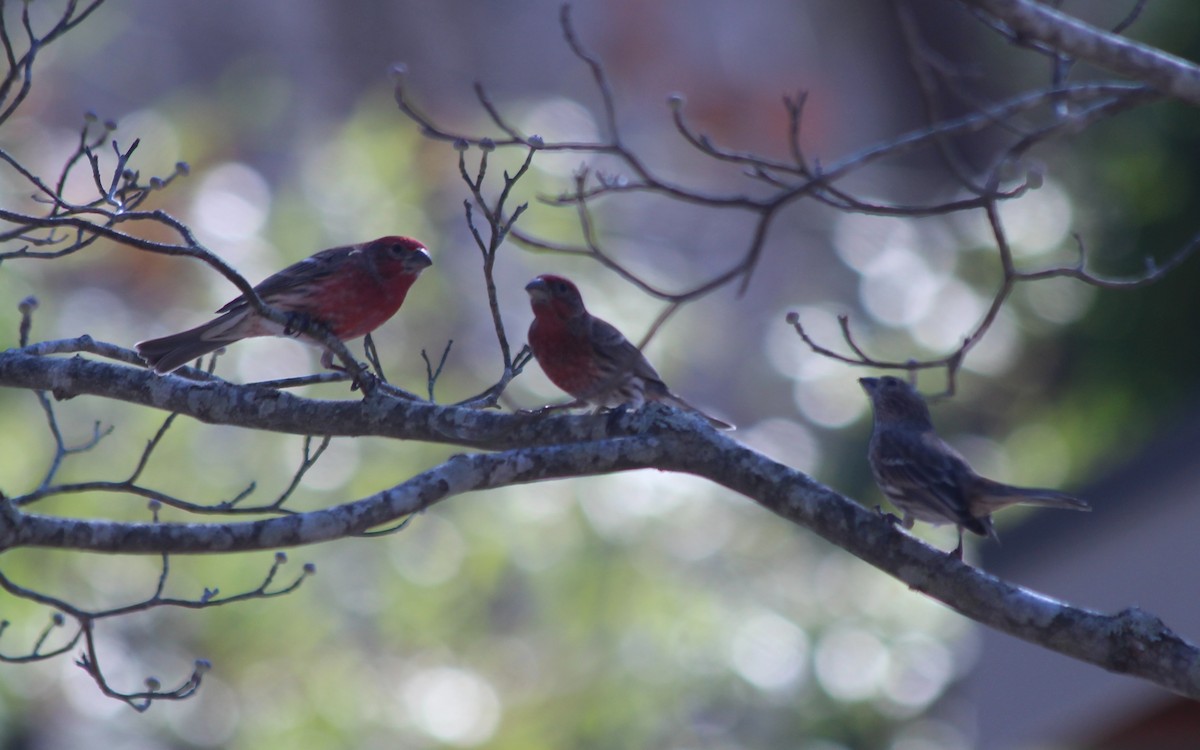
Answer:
(1130, 641)
(433, 373)
(1164, 72)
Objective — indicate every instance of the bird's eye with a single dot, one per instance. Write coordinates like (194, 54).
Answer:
(397, 249)
(560, 287)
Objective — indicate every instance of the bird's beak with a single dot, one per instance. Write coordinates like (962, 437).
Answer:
(869, 384)
(418, 260)
(539, 290)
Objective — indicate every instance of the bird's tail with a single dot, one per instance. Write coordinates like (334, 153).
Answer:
(996, 496)
(171, 352)
(676, 401)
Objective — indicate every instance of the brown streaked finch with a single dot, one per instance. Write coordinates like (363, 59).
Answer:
(929, 481)
(590, 359)
(350, 291)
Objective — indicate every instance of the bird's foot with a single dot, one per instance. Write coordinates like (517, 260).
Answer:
(361, 377)
(298, 324)
(544, 411)
(363, 380)
(613, 415)
(891, 518)
(957, 552)
(328, 362)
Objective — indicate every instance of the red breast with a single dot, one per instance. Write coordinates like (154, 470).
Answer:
(368, 285)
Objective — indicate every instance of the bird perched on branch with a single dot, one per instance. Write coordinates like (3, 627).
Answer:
(590, 359)
(349, 291)
(927, 479)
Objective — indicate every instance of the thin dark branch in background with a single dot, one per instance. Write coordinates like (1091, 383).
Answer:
(308, 460)
(372, 355)
(1131, 18)
(139, 700)
(500, 223)
(952, 361)
(87, 621)
(231, 507)
(599, 77)
(1062, 64)
(491, 396)
(151, 444)
(388, 530)
(26, 308)
(921, 62)
(433, 373)
(1051, 32)
(20, 63)
(499, 226)
(1028, 119)
(61, 449)
(301, 381)
(494, 113)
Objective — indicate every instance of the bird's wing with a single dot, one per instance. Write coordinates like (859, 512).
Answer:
(922, 464)
(617, 354)
(312, 269)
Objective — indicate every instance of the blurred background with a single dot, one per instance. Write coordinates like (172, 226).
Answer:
(638, 610)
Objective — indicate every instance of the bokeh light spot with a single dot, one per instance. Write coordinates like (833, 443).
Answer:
(830, 402)
(1059, 301)
(560, 119)
(1034, 224)
(769, 652)
(867, 243)
(902, 296)
(998, 350)
(158, 142)
(432, 553)
(618, 506)
(454, 706)
(232, 204)
(851, 663)
(959, 308)
(336, 466)
(919, 671)
(785, 440)
(787, 352)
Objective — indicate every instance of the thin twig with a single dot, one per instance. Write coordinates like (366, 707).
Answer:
(433, 373)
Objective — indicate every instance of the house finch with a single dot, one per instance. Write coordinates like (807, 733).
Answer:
(927, 479)
(587, 357)
(349, 290)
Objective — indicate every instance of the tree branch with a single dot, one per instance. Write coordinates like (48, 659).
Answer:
(1130, 641)
(1029, 20)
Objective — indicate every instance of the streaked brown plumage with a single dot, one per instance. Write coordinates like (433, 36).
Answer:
(927, 479)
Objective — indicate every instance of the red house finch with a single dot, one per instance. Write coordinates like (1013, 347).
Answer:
(350, 290)
(927, 479)
(587, 357)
